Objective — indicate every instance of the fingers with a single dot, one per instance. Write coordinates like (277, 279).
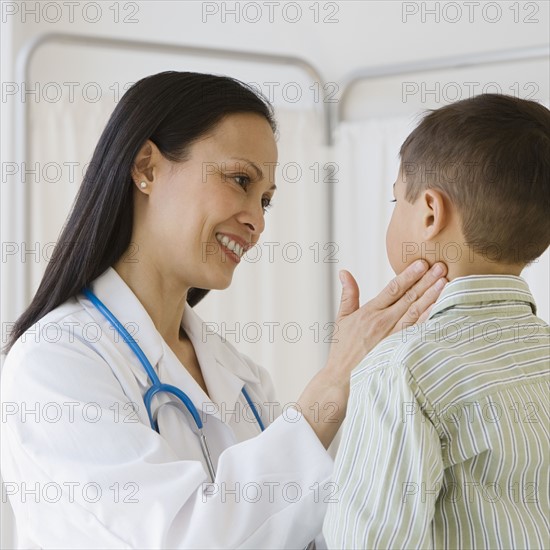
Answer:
(415, 301)
(424, 317)
(397, 287)
(419, 311)
(349, 302)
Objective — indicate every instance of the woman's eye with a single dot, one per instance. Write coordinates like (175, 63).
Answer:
(241, 180)
(266, 203)
(394, 200)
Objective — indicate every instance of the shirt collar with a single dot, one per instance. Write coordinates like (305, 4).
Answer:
(481, 289)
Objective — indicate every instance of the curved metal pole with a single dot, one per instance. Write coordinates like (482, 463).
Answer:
(26, 55)
(454, 62)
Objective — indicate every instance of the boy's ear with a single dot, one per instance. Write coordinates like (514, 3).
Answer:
(436, 213)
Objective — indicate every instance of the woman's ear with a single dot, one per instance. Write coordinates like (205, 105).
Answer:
(144, 163)
(436, 213)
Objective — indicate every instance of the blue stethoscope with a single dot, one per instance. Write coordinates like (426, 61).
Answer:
(157, 387)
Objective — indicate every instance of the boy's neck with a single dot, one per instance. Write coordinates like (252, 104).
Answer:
(480, 267)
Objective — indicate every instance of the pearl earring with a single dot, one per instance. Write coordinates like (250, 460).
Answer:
(143, 184)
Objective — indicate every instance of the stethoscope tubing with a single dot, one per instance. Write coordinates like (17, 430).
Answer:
(158, 387)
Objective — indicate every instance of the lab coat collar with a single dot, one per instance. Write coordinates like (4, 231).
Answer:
(113, 291)
(223, 368)
(212, 346)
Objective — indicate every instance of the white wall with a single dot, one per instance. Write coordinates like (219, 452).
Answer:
(365, 33)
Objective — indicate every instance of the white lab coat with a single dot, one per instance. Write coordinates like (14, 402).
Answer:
(83, 468)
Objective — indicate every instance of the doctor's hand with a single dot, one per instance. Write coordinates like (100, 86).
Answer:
(405, 301)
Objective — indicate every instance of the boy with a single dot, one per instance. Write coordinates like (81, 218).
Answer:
(446, 440)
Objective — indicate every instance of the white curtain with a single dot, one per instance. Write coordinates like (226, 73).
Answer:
(537, 276)
(61, 142)
(367, 153)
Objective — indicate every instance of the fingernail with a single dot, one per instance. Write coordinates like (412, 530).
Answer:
(440, 284)
(438, 270)
(419, 266)
(341, 275)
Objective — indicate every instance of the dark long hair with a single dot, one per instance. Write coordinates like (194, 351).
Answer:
(172, 109)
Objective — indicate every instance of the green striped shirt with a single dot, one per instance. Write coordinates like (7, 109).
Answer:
(446, 440)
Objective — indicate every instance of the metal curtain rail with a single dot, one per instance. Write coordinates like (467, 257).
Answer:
(22, 198)
(454, 62)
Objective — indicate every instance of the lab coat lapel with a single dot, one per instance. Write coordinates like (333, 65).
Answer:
(224, 370)
(171, 371)
(112, 290)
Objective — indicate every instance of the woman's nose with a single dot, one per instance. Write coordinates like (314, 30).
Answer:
(253, 217)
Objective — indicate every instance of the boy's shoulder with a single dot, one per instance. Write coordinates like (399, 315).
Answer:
(473, 313)
(450, 355)
(408, 349)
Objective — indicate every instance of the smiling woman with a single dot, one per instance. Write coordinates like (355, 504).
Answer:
(99, 229)
(194, 219)
(140, 454)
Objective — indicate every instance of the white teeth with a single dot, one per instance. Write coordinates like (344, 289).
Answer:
(230, 244)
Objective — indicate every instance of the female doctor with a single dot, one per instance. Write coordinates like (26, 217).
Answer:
(96, 453)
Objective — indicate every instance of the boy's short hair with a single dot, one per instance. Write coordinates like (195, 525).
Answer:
(490, 154)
